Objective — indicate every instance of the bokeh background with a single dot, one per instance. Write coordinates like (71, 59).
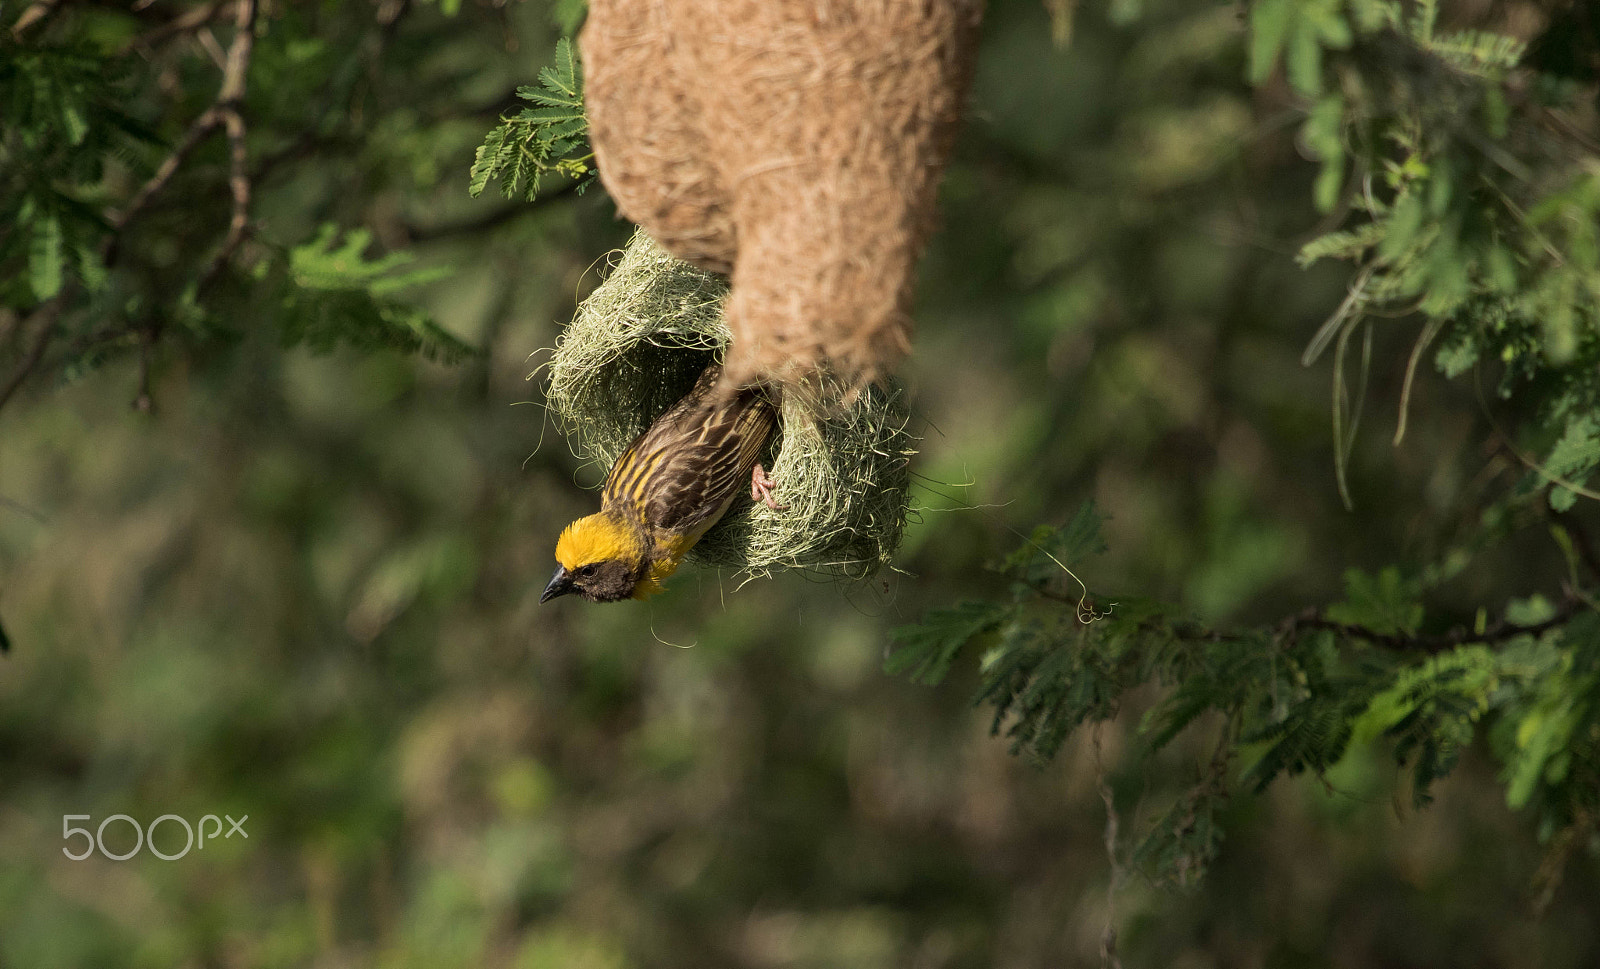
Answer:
(305, 588)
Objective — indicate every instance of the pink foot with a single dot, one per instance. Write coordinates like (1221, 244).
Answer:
(761, 485)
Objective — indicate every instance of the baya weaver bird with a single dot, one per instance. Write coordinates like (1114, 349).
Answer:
(669, 487)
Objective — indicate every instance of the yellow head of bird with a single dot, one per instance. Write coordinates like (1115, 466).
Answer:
(601, 558)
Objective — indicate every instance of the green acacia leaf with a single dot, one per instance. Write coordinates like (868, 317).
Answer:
(73, 121)
(1048, 548)
(1341, 245)
(1332, 29)
(1323, 134)
(91, 268)
(1456, 357)
(924, 652)
(1573, 457)
(1404, 223)
(1269, 26)
(46, 257)
(1385, 603)
(542, 140)
(1540, 736)
(1303, 60)
(485, 161)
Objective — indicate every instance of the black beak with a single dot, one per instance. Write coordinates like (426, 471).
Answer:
(560, 585)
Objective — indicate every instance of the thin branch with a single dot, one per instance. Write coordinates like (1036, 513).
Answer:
(228, 97)
(191, 139)
(33, 15)
(238, 64)
(207, 41)
(48, 318)
(223, 114)
(390, 14)
(1582, 541)
(1527, 460)
(1499, 631)
(1496, 632)
(494, 220)
(1109, 958)
(99, 338)
(239, 185)
(190, 20)
(307, 143)
(142, 401)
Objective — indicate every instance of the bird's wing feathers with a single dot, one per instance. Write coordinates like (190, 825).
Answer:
(681, 473)
(714, 468)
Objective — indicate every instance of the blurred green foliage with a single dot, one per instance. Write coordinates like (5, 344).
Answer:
(305, 588)
(1483, 225)
(1292, 698)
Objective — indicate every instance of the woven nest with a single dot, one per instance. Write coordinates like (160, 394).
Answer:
(636, 346)
(793, 144)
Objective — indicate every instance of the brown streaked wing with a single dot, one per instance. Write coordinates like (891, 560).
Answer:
(623, 482)
(685, 468)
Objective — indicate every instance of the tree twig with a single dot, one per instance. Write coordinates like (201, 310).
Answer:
(169, 166)
(494, 220)
(1288, 630)
(190, 20)
(224, 113)
(390, 13)
(238, 65)
(229, 95)
(1496, 632)
(142, 401)
(1109, 959)
(48, 318)
(34, 14)
(239, 186)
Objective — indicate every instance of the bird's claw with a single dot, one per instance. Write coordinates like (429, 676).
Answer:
(761, 485)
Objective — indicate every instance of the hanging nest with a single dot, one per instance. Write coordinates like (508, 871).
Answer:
(796, 146)
(636, 346)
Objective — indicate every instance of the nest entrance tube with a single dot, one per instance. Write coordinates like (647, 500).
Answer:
(636, 346)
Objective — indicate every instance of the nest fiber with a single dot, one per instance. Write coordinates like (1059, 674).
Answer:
(793, 144)
(636, 346)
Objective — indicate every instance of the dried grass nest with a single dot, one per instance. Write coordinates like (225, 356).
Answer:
(636, 346)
